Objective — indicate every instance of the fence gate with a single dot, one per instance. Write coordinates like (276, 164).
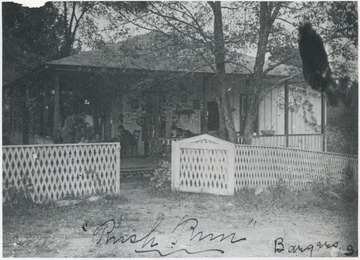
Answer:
(203, 164)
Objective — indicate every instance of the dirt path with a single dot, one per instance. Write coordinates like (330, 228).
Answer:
(176, 222)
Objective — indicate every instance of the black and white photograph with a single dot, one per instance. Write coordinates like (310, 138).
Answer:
(179, 129)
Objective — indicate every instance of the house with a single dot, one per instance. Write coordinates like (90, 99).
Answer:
(145, 85)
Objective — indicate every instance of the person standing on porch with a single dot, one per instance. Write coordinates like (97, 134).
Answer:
(126, 139)
(67, 132)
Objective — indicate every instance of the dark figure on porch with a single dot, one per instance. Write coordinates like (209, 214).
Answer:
(67, 134)
(81, 136)
(179, 132)
(97, 139)
(126, 139)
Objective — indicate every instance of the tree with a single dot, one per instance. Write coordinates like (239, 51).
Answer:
(268, 13)
(274, 33)
(226, 118)
(187, 33)
(268, 28)
(83, 18)
(30, 37)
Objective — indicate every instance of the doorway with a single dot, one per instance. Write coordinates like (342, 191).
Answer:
(213, 122)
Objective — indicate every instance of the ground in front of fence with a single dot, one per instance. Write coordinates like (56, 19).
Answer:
(176, 222)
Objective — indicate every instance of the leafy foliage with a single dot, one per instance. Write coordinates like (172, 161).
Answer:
(161, 180)
(323, 194)
(342, 129)
(20, 198)
(30, 37)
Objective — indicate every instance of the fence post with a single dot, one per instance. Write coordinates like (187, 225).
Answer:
(175, 165)
(117, 171)
(231, 170)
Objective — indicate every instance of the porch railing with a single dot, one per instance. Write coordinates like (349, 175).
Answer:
(52, 172)
(312, 142)
(209, 164)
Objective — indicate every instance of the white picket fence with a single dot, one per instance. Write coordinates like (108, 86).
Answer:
(208, 164)
(51, 172)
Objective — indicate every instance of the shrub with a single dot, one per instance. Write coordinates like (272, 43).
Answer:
(323, 194)
(348, 187)
(161, 180)
(19, 198)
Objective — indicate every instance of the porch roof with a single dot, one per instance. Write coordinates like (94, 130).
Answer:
(153, 52)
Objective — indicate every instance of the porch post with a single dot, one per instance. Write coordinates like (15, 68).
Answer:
(46, 107)
(57, 115)
(287, 113)
(323, 120)
(203, 127)
(117, 170)
(25, 116)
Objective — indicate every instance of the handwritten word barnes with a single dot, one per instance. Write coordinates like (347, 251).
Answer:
(280, 247)
(105, 234)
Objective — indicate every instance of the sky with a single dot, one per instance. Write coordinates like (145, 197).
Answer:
(31, 3)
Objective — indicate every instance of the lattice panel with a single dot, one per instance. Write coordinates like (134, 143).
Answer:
(204, 170)
(264, 166)
(56, 171)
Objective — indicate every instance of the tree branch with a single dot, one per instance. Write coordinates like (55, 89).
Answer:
(343, 47)
(268, 89)
(240, 65)
(168, 19)
(230, 8)
(72, 16)
(275, 12)
(154, 28)
(199, 28)
(212, 4)
(65, 20)
(278, 64)
(286, 21)
(78, 22)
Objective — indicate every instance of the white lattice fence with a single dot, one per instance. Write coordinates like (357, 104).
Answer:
(208, 164)
(203, 164)
(56, 171)
(264, 166)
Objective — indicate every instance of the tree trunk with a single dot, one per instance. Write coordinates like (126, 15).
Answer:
(57, 113)
(253, 101)
(25, 118)
(225, 111)
(268, 13)
(250, 122)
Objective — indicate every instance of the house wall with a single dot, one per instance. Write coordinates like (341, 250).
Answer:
(272, 111)
(162, 100)
(236, 85)
(181, 100)
(304, 111)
